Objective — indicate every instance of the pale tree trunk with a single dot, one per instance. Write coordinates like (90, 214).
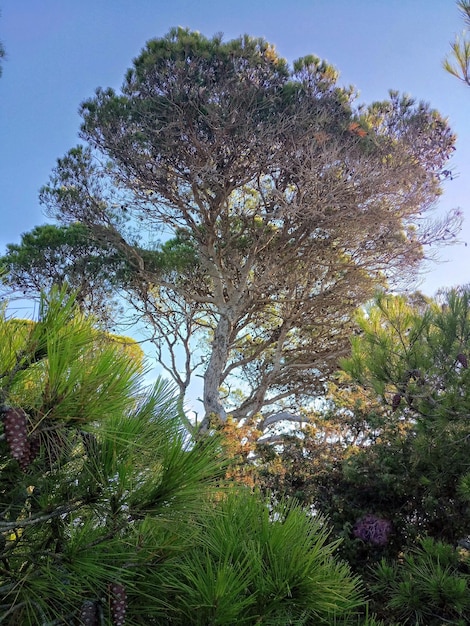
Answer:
(215, 368)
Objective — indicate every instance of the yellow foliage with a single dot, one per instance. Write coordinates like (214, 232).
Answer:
(239, 440)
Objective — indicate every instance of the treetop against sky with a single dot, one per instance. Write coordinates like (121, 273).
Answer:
(287, 203)
(58, 53)
(52, 65)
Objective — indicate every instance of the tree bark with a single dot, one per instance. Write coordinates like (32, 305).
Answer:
(213, 374)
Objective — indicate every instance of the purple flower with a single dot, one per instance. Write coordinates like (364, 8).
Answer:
(373, 529)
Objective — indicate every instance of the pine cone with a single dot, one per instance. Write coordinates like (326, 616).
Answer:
(462, 359)
(26, 459)
(89, 614)
(15, 425)
(396, 401)
(35, 444)
(118, 603)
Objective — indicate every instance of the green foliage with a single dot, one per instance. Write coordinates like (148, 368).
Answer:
(346, 463)
(176, 255)
(64, 255)
(105, 478)
(413, 357)
(390, 449)
(107, 508)
(281, 572)
(429, 585)
(418, 357)
(458, 62)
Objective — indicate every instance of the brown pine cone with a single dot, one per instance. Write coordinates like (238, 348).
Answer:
(35, 445)
(89, 614)
(396, 401)
(118, 603)
(15, 424)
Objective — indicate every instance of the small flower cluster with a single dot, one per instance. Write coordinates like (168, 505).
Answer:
(373, 529)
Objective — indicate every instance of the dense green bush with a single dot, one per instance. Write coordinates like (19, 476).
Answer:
(430, 585)
(254, 564)
(96, 476)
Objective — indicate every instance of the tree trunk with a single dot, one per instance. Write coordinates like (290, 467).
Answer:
(213, 374)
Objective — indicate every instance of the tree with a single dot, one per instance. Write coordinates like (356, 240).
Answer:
(95, 475)
(458, 62)
(283, 203)
(109, 515)
(415, 357)
(64, 256)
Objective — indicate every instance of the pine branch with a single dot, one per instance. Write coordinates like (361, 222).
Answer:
(32, 521)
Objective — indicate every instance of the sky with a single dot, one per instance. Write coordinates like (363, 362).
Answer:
(59, 51)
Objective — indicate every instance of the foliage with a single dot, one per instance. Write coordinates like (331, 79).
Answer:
(458, 62)
(430, 585)
(109, 515)
(267, 180)
(281, 572)
(414, 357)
(95, 475)
(341, 463)
(386, 457)
(64, 255)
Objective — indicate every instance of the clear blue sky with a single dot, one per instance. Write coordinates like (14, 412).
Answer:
(59, 51)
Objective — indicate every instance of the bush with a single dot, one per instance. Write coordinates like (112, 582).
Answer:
(430, 585)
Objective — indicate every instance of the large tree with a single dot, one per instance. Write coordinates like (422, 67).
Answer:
(107, 515)
(281, 203)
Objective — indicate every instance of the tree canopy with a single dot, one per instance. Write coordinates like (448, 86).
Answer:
(255, 205)
(68, 256)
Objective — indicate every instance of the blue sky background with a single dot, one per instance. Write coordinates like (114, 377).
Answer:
(59, 51)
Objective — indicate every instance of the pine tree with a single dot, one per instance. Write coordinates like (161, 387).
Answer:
(284, 202)
(414, 357)
(95, 474)
(110, 515)
(458, 61)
